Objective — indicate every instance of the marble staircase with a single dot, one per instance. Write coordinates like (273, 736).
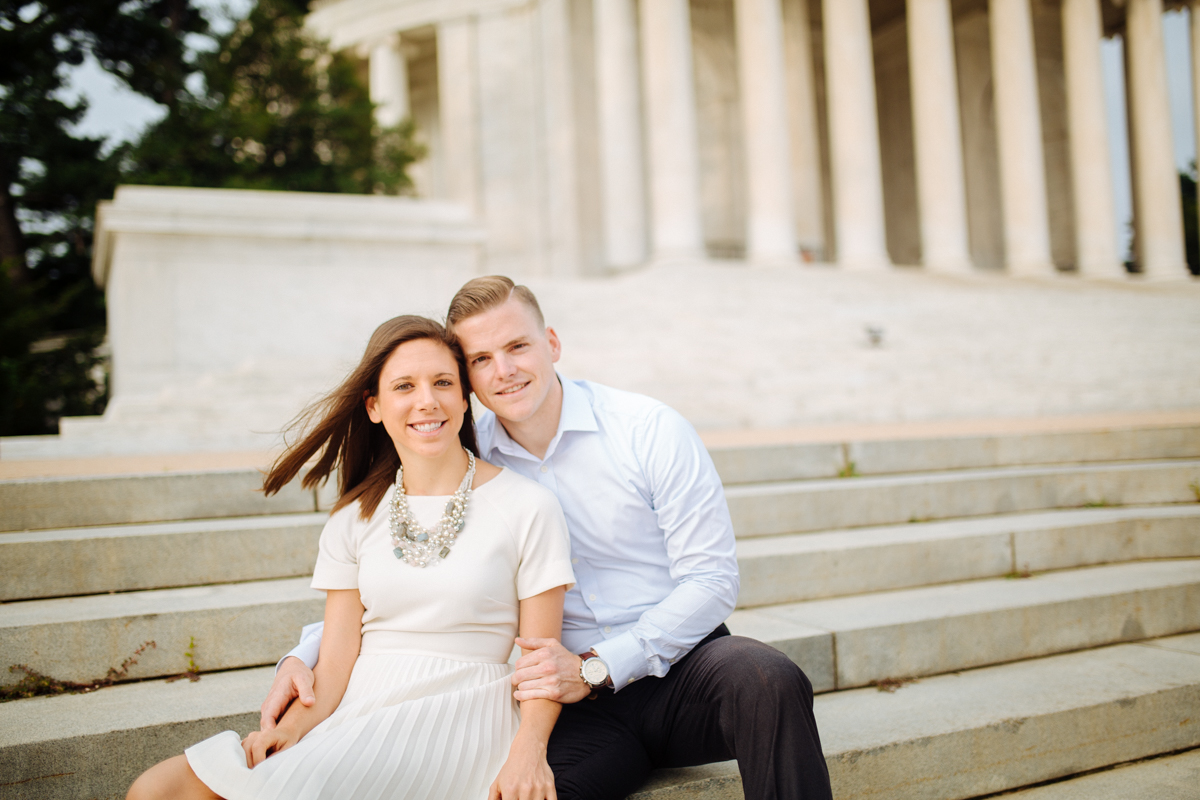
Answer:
(1033, 598)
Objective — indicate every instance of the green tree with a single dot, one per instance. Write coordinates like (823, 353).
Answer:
(277, 110)
(50, 180)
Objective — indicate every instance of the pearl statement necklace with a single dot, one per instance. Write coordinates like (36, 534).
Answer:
(417, 545)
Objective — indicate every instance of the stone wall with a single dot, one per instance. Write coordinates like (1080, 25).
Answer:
(229, 305)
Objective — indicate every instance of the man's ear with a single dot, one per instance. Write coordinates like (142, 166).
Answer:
(372, 404)
(555, 344)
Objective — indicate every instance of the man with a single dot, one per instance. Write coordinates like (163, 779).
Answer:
(647, 671)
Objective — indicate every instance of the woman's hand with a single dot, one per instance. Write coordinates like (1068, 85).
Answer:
(261, 744)
(525, 775)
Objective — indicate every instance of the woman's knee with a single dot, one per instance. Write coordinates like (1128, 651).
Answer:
(172, 779)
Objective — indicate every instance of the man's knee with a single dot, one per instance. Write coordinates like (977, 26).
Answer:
(748, 665)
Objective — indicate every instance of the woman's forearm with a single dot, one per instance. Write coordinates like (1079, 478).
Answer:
(537, 721)
(339, 651)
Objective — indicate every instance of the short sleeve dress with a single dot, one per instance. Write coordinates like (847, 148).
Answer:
(428, 712)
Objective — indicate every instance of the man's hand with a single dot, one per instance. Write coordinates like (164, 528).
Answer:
(550, 672)
(292, 680)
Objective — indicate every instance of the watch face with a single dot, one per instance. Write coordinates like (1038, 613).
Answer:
(594, 671)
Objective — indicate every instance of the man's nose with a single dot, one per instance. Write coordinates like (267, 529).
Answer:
(505, 366)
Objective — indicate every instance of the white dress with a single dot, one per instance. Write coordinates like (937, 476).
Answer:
(428, 712)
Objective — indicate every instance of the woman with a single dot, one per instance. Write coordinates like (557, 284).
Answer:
(431, 560)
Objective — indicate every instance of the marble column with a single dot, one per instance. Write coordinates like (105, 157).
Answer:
(1157, 211)
(770, 233)
(861, 239)
(560, 178)
(458, 108)
(807, 205)
(670, 103)
(1194, 14)
(619, 111)
(937, 131)
(1019, 140)
(388, 81)
(1096, 253)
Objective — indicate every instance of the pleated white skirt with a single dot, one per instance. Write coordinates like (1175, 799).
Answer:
(409, 726)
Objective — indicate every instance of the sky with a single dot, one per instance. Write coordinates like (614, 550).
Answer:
(116, 112)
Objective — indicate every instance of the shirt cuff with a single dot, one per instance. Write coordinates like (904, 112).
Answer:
(625, 660)
(309, 647)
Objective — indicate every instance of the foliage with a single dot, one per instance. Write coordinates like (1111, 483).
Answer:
(192, 673)
(273, 110)
(43, 377)
(35, 684)
(277, 111)
(50, 180)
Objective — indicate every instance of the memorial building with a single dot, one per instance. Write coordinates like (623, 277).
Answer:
(598, 135)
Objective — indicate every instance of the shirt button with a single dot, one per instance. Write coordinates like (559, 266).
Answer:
(591, 597)
(545, 468)
(608, 629)
(629, 681)
(574, 560)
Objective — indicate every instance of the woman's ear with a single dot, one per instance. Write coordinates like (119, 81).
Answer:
(372, 404)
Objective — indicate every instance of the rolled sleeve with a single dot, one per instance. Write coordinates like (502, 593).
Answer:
(545, 550)
(337, 555)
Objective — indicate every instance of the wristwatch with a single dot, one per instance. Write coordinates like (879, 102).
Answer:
(594, 671)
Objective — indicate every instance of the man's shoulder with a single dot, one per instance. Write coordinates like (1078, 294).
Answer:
(630, 406)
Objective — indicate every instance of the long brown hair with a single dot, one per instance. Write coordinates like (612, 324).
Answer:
(337, 425)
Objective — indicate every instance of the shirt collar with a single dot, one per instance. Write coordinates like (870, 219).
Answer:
(576, 415)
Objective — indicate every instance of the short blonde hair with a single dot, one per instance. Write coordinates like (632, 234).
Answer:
(483, 294)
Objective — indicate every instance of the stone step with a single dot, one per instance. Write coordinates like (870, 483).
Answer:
(1175, 777)
(88, 746)
(781, 461)
(847, 642)
(798, 506)
(78, 561)
(942, 738)
(225, 627)
(776, 569)
(988, 730)
(76, 501)
(807, 566)
(38, 503)
(840, 642)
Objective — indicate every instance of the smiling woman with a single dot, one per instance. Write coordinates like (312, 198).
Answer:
(433, 561)
(384, 387)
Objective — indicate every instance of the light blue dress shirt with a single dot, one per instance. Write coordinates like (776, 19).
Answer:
(652, 542)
